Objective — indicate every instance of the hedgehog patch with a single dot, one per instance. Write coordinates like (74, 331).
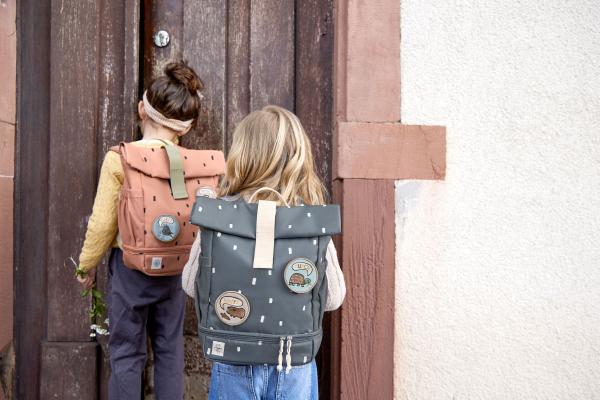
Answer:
(165, 228)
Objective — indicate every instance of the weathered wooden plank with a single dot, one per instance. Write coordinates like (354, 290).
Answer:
(367, 315)
(313, 100)
(314, 47)
(272, 25)
(334, 323)
(68, 371)
(111, 119)
(131, 67)
(31, 192)
(238, 65)
(72, 168)
(117, 101)
(161, 15)
(205, 48)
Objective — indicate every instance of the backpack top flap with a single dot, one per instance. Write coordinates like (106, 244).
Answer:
(239, 218)
(155, 163)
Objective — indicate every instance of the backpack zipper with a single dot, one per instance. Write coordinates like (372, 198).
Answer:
(283, 340)
(251, 337)
(163, 250)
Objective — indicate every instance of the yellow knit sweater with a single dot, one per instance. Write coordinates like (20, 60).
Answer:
(102, 229)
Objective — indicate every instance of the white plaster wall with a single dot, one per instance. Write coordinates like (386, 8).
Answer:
(498, 267)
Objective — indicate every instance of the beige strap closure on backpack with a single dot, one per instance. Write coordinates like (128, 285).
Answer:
(177, 179)
(265, 230)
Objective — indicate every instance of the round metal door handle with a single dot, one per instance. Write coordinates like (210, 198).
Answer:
(161, 38)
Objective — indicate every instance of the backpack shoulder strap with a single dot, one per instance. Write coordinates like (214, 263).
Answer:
(178, 189)
(116, 149)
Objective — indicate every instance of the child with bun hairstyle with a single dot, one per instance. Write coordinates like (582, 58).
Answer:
(142, 305)
(270, 149)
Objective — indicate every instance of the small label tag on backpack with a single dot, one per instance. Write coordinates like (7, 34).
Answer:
(156, 263)
(218, 348)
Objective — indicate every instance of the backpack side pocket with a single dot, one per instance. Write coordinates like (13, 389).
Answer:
(202, 286)
(131, 220)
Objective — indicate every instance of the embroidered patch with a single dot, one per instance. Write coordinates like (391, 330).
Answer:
(300, 275)
(206, 191)
(165, 228)
(218, 348)
(232, 308)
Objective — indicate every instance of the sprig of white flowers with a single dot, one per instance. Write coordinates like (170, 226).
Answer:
(98, 306)
(98, 329)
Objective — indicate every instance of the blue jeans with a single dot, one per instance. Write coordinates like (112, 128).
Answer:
(263, 382)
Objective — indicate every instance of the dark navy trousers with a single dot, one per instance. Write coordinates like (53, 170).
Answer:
(141, 306)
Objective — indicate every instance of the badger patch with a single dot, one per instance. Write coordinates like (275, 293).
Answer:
(300, 275)
(232, 308)
(165, 228)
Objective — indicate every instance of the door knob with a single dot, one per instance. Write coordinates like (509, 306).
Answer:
(161, 38)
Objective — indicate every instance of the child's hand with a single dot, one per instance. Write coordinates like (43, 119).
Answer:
(87, 278)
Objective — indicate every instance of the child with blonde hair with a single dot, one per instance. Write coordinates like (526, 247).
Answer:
(271, 150)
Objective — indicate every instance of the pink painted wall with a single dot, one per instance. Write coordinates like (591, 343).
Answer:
(8, 54)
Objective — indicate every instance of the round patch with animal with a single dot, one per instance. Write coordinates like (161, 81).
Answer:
(165, 228)
(300, 275)
(232, 308)
(206, 191)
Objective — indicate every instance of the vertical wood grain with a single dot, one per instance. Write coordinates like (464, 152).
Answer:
(117, 98)
(161, 15)
(367, 317)
(272, 53)
(69, 371)
(31, 192)
(314, 47)
(313, 103)
(72, 169)
(238, 65)
(132, 65)
(334, 323)
(205, 48)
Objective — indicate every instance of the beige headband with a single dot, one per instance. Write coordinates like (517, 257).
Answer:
(156, 116)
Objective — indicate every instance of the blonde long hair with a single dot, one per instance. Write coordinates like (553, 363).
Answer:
(271, 149)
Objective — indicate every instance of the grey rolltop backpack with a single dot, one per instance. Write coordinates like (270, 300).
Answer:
(261, 287)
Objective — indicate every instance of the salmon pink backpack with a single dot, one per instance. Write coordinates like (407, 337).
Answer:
(156, 201)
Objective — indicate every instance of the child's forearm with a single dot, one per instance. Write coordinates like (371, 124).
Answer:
(102, 226)
(336, 286)
(191, 268)
(99, 237)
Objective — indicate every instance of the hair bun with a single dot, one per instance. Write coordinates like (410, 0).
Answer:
(183, 74)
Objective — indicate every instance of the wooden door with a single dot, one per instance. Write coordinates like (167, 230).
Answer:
(83, 65)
